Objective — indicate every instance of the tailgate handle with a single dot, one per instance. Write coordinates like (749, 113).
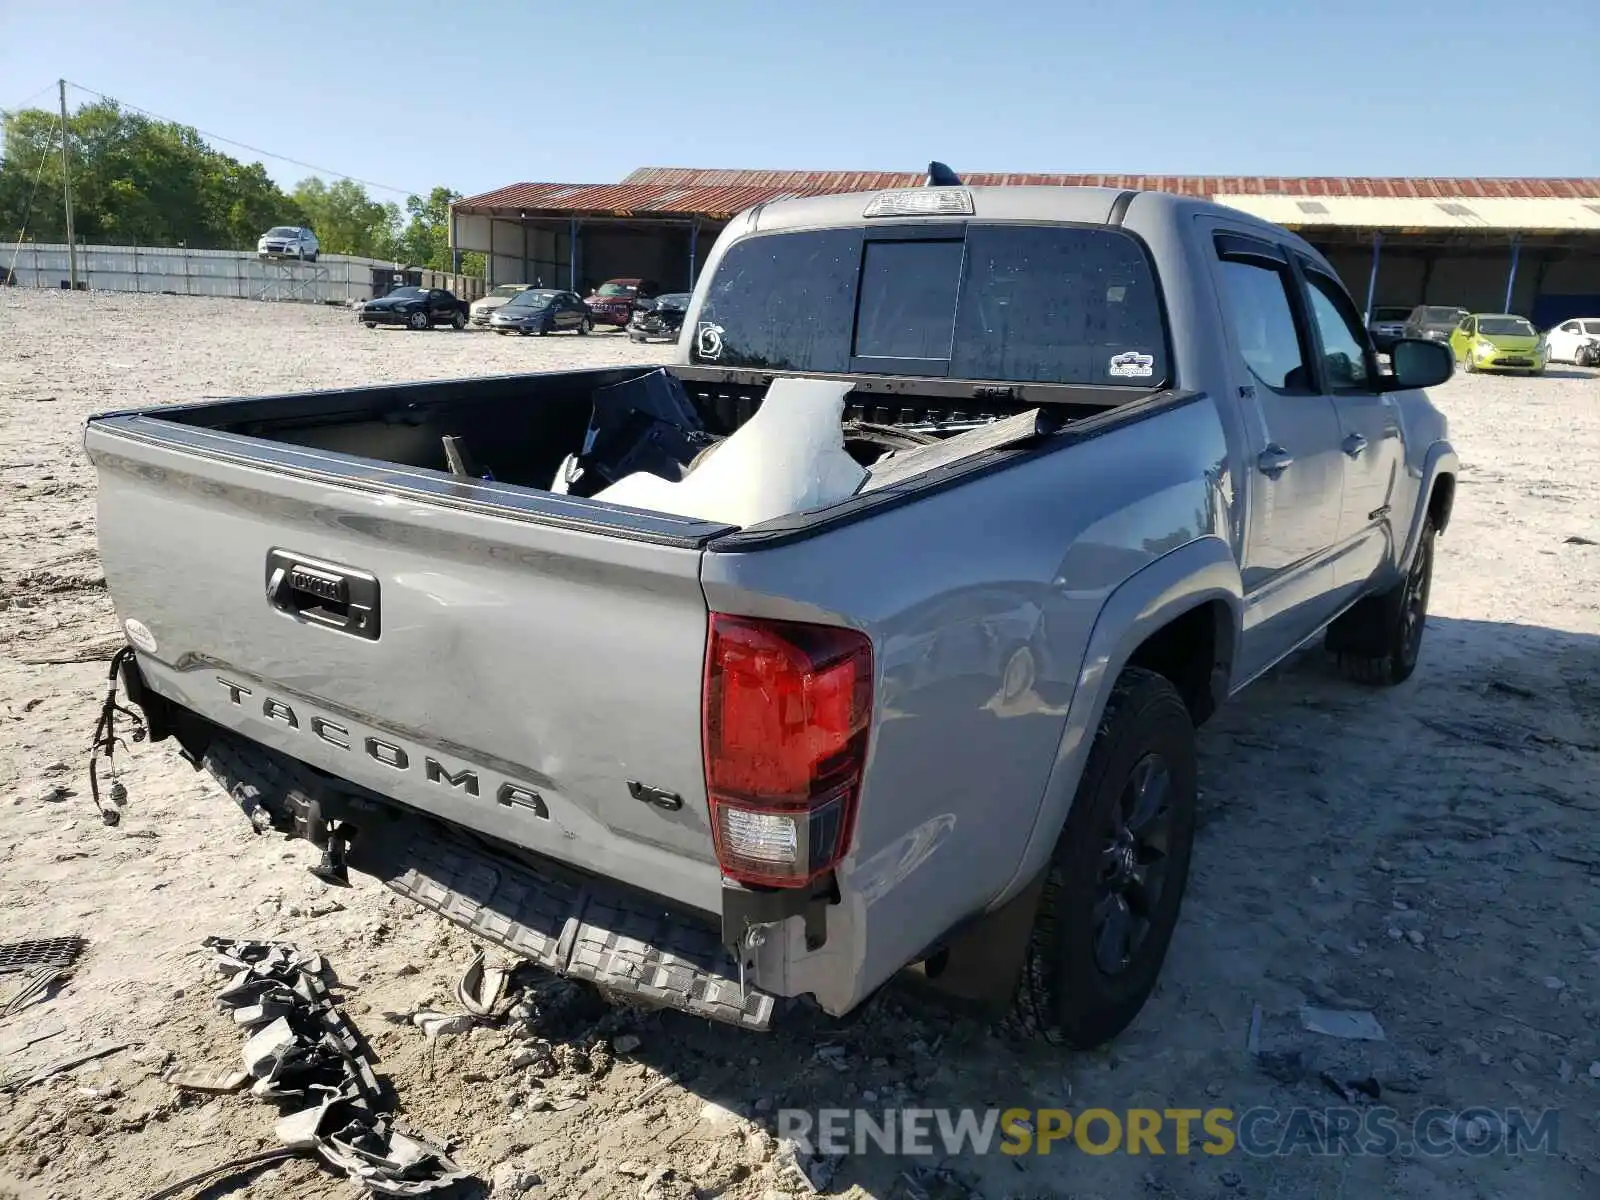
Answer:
(323, 593)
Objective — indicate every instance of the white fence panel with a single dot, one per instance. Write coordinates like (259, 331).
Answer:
(239, 274)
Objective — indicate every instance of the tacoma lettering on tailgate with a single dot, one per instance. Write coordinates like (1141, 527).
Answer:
(390, 754)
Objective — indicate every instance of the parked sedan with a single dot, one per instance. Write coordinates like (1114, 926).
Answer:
(612, 301)
(1433, 322)
(484, 308)
(658, 318)
(1576, 341)
(288, 241)
(1498, 342)
(415, 308)
(541, 311)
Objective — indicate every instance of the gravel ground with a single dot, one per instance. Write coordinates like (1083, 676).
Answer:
(1429, 853)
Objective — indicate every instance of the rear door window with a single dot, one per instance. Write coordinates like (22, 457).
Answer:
(1257, 299)
(1059, 304)
(782, 302)
(1018, 303)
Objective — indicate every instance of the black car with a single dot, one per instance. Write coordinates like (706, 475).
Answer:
(415, 308)
(658, 317)
(1432, 322)
(542, 311)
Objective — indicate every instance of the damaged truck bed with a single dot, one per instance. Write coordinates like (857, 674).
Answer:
(871, 631)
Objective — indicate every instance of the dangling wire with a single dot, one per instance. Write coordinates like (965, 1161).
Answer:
(106, 742)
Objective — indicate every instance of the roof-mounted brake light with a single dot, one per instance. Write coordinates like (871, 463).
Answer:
(921, 202)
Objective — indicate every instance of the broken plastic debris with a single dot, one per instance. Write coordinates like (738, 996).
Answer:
(435, 1025)
(315, 1056)
(904, 464)
(211, 1079)
(482, 990)
(788, 458)
(1351, 1024)
(265, 1051)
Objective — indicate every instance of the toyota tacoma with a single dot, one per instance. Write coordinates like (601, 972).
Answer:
(871, 632)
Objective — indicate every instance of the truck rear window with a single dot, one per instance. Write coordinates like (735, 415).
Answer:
(1011, 303)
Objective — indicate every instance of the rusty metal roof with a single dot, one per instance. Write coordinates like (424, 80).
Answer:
(626, 200)
(1420, 187)
(674, 191)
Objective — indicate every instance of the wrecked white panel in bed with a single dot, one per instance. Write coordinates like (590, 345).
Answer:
(787, 458)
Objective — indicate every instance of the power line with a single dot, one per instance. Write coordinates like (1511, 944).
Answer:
(217, 137)
(22, 104)
(27, 212)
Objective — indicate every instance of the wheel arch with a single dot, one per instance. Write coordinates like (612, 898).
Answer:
(1436, 495)
(1179, 616)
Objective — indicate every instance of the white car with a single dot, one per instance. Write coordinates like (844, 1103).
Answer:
(497, 297)
(1575, 341)
(288, 241)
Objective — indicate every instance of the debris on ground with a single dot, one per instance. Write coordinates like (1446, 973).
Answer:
(1350, 1024)
(25, 1078)
(303, 1050)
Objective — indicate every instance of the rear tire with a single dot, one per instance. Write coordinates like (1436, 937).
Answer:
(370, 324)
(1379, 640)
(584, 326)
(1117, 878)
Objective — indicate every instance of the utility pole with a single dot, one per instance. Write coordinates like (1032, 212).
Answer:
(66, 177)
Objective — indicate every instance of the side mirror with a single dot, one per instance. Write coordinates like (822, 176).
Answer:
(1418, 363)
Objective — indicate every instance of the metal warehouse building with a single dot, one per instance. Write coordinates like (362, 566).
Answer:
(1530, 246)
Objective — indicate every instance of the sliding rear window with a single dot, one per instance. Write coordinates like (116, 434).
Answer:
(1011, 303)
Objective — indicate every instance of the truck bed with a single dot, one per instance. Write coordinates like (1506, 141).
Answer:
(523, 663)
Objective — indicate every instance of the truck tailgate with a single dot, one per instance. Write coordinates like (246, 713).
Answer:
(534, 682)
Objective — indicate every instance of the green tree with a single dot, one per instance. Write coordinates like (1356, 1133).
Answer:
(426, 240)
(348, 221)
(156, 183)
(134, 179)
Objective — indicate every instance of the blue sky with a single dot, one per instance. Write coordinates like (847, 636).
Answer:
(474, 94)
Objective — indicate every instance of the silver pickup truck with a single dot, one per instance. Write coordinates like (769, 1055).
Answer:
(870, 633)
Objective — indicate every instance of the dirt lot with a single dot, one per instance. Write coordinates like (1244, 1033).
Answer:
(1429, 853)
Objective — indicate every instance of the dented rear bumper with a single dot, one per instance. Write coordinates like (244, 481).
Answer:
(634, 945)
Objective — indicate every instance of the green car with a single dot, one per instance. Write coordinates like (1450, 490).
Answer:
(1498, 342)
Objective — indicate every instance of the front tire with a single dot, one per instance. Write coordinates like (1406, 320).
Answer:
(1120, 867)
(417, 320)
(1379, 640)
(458, 322)
(370, 324)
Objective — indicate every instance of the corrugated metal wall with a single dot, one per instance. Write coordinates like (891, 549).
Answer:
(236, 274)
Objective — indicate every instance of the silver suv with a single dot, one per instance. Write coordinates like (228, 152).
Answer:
(288, 241)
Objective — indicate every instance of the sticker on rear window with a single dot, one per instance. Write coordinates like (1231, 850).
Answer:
(1132, 365)
(709, 340)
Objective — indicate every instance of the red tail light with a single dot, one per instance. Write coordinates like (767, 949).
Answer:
(787, 708)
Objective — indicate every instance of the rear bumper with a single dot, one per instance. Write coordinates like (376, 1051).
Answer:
(579, 921)
(568, 921)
